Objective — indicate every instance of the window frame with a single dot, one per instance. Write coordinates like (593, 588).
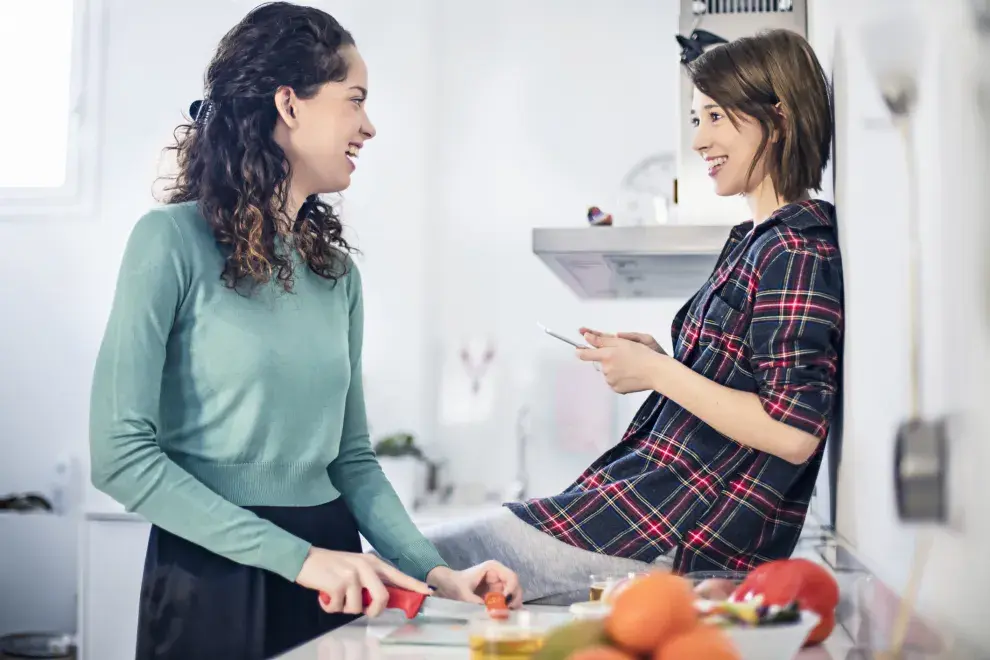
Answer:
(77, 195)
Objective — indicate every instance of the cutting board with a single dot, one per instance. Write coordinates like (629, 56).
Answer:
(439, 632)
(429, 634)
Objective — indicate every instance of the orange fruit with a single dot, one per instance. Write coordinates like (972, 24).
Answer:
(650, 610)
(600, 653)
(705, 642)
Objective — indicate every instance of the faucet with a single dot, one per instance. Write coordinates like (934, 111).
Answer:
(516, 491)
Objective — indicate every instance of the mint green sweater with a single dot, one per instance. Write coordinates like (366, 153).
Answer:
(205, 401)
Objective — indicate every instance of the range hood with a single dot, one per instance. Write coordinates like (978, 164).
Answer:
(668, 260)
(660, 261)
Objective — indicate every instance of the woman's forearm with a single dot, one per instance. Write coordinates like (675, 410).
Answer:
(735, 414)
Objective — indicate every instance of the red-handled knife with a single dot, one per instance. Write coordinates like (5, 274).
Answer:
(414, 604)
(409, 602)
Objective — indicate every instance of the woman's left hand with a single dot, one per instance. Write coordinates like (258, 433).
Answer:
(628, 366)
(473, 583)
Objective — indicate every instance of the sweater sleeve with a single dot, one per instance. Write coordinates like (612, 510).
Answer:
(356, 473)
(126, 460)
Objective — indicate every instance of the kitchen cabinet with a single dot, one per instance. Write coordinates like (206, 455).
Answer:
(112, 560)
(37, 550)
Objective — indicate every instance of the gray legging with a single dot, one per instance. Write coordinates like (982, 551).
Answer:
(546, 567)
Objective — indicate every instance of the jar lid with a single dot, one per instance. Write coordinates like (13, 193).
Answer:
(592, 609)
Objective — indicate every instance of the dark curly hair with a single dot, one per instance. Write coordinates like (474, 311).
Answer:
(231, 165)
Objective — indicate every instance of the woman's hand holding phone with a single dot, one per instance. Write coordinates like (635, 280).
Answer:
(638, 337)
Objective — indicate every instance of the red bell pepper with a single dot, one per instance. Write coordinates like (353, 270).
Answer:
(786, 581)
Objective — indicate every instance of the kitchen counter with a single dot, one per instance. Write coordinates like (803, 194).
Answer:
(111, 586)
(360, 641)
(97, 505)
(864, 618)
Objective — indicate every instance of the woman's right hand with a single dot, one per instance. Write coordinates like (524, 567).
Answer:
(342, 576)
(638, 337)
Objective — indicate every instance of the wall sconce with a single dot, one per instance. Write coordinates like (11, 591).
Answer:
(893, 56)
(893, 48)
(981, 13)
(893, 52)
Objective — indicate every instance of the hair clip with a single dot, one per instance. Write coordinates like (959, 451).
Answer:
(201, 111)
(694, 46)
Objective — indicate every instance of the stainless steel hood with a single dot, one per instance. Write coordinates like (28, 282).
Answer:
(662, 261)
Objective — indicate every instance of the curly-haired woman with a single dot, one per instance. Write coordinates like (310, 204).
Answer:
(227, 404)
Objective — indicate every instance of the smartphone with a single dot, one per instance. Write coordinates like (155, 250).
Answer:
(573, 342)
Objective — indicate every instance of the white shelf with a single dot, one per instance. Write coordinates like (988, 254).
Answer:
(661, 261)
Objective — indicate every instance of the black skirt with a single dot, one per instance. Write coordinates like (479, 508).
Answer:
(195, 604)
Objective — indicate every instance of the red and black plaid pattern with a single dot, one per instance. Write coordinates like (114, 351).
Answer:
(769, 320)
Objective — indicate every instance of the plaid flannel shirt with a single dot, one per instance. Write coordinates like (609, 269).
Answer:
(769, 320)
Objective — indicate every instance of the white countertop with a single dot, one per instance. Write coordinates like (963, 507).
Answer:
(99, 506)
(361, 641)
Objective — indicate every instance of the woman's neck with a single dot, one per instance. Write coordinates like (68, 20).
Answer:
(293, 203)
(763, 201)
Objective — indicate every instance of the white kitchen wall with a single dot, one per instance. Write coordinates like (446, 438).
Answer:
(542, 109)
(872, 201)
(871, 212)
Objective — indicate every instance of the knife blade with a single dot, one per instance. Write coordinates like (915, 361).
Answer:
(414, 604)
(446, 608)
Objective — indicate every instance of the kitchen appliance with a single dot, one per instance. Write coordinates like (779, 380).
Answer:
(52, 646)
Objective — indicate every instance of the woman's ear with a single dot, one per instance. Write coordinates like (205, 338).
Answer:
(285, 104)
(779, 119)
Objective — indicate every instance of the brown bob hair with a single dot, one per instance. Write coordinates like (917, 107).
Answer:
(750, 76)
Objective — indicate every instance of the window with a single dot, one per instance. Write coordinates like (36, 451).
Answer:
(48, 72)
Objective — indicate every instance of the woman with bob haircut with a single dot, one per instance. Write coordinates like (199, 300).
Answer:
(717, 468)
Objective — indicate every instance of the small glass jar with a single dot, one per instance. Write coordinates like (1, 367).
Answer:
(600, 586)
(513, 635)
(600, 583)
(697, 577)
